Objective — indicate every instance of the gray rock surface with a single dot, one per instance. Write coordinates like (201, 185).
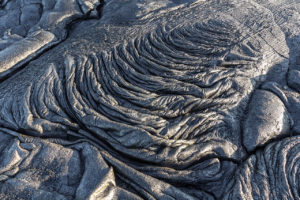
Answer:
(267, 119)
(149, 100)
(28, 27)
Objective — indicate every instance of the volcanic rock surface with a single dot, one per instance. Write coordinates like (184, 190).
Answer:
(140, 99)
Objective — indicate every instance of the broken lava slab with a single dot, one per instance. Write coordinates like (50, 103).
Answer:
(266, 120)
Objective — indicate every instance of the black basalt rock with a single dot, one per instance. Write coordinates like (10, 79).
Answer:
(142, 99)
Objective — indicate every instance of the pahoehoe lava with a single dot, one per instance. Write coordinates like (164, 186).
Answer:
(186, 104)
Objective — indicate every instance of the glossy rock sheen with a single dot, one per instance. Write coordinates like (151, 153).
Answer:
(173, 100)
(28, 27)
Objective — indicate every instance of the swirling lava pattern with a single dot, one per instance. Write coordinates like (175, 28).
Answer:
(164, 108)
(272, 173)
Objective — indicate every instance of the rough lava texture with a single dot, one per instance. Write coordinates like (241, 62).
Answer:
(165, 100)
(28, 27)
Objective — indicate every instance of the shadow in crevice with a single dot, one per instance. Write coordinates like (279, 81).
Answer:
(293, 82)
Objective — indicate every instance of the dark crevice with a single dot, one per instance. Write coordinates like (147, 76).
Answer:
(82, 164)
(3, 4)
(80, 7)
(131, 186)
(262, 147)
(100, 8)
